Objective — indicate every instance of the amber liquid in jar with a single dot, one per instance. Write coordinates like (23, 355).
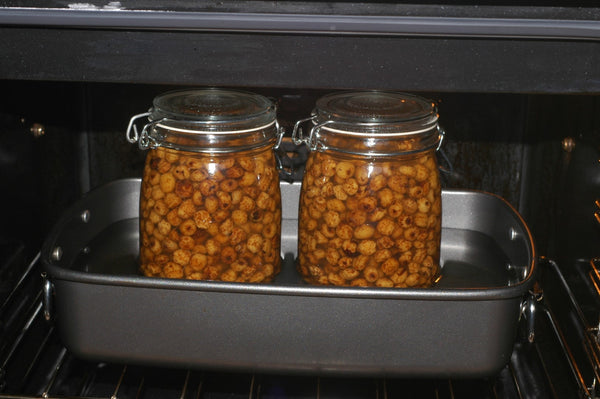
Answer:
(371, 220)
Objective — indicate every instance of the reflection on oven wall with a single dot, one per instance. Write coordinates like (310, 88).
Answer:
(578, 230)
(564, 176)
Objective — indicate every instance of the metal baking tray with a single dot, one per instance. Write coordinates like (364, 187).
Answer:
(464, 326)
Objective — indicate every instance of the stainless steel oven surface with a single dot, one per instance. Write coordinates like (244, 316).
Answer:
(517, 311)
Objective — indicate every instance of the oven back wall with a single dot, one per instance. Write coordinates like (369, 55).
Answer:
(507, 144)
(39, 156)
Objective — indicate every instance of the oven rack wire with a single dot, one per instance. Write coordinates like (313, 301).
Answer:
(34, 364)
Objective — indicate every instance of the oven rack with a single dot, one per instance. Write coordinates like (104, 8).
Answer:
(34, 364)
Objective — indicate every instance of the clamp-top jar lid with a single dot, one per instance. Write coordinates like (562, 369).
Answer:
(376, 112)
(207, 120)
(372, 123)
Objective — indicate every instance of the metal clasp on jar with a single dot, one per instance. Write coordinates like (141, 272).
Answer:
(281, 156)
(441, 136)
(144, 140)
(312, 141)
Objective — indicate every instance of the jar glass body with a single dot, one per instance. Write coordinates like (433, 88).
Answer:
(215, 217)
(370, 204)
(210, 203)
(370, 222)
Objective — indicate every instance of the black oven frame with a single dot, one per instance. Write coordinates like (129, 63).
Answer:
(530, 52)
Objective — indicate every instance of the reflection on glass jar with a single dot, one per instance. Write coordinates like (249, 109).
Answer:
(370, 205)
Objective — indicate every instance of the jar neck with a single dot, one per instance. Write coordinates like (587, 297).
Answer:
(185, 139)
(374, 144)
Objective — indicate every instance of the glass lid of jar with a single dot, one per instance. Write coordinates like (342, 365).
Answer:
(374, 112)
(212, 110)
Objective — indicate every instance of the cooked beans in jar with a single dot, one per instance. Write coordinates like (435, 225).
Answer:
(384, 231)
(217, 218)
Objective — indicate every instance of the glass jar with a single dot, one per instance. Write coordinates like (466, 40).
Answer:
(210, 204)
(370, 204)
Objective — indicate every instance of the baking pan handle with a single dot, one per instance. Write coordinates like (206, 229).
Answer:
(529, 310)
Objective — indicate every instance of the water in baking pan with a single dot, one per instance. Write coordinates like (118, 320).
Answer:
(470, 259)
(113, 251)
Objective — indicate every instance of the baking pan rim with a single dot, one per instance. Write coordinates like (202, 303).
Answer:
(54, 271)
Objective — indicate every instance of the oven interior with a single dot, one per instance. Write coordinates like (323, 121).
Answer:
(536, 148)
